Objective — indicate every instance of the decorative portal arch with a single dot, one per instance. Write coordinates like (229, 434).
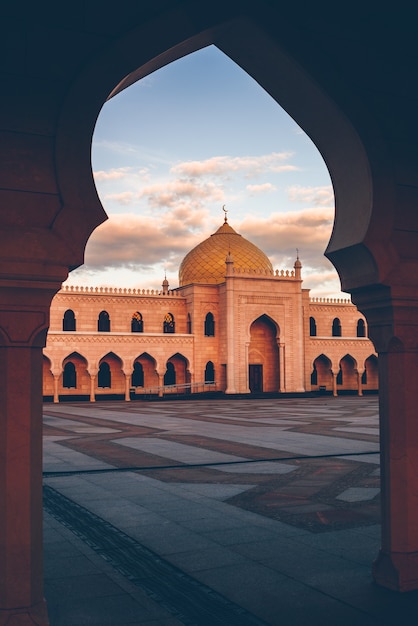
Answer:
(263, 356)
(323, 373)
(110, 377)
(370, 376)
(137, 378)
(75, 378)
(149, 368)
(348, 369)
(69, 376)
(177, 370)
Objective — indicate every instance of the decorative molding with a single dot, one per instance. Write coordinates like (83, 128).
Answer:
(137, 338)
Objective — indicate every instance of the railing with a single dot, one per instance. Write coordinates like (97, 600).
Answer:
(183, 389)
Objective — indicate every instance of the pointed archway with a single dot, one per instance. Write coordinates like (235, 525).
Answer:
(263, 356)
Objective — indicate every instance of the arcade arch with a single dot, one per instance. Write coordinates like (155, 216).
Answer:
(366, 139)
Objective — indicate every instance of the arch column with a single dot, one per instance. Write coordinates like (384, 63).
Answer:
(92, 387)
(160, 385)
(334, 384)
(359, 383)
(56, 386)
(127, 387)
(24, 319)
(393, 327)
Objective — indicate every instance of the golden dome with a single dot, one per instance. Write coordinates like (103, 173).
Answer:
(206, 262)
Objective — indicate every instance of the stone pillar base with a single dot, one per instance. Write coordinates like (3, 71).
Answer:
(36, 615)
(397, 571)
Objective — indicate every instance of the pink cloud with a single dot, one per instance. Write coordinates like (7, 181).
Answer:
(263, 188)
(318, 196)
(223, 165)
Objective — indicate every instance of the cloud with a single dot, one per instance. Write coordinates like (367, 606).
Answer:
(125, 197)
(112, 174)
(224, 165)
(138, 242)
(318, 196)
(171, 193)
(280, 234)
(263, 188)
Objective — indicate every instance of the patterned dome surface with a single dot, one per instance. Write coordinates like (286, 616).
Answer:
(206, 262)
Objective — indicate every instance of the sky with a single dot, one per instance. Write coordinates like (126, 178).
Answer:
(176, 147)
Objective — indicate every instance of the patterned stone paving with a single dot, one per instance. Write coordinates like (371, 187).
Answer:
(310, 463)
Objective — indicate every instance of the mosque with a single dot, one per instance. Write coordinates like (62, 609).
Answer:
(234, 325)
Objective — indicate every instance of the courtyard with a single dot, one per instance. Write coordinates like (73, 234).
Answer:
(226, 511)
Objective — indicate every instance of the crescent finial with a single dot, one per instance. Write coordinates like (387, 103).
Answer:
(226, 214)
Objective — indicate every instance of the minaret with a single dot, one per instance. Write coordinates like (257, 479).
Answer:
(230, 324)
(299, 340)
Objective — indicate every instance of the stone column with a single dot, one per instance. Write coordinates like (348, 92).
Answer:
(392, 316)
(359, 384)
(160, 385)
(127, 387)
(24, 319)
(92, 387)
(334, 384)
(56, 383)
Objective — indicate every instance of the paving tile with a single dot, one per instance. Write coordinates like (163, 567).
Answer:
(290, 539)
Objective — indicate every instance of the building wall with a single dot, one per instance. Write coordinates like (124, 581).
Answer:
(269, 318)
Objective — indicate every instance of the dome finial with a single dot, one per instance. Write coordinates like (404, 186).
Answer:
(226, 216)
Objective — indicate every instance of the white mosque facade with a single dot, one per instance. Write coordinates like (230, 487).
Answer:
(234, 325)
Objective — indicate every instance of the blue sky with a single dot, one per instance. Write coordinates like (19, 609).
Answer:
(171, 150)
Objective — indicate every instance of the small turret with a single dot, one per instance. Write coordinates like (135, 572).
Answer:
(298, 266)
(165, 285)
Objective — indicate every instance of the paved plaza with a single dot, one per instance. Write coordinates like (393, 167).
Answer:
(223, 511)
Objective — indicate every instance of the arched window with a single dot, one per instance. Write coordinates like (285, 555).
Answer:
(103, 322)
(168, 326)
(138, 375)
(314, 375)
(68, 321)
(137, 323)
(336, 327)
(312, 327)
(339, 380)
(361, 328)
(104, 378)
(170, 375)
(189, 324)
(209, 325)
(209, 372)
(69, 376)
